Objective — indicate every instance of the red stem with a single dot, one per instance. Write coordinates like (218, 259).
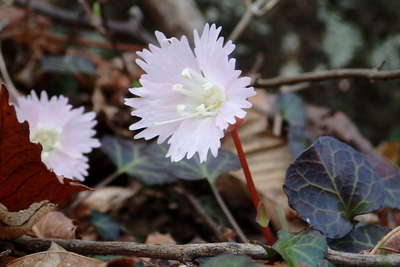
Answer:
(255, 197)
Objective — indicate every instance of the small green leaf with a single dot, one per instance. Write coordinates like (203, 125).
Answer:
(307, 247)
(96, 9)
(192, 169)
(330, 183)
(262, 216)
(108, 229)
(229, 261)
(292, 108)
(131, 157)
(363, 237)
(136, 84)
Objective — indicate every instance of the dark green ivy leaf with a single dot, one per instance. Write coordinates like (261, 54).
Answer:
(131, 158)
(390, 176)
(229, 261)
(307, 247)
(330, 183)
(292, 108)
(108, 229)
(192, 169)
(363, 237)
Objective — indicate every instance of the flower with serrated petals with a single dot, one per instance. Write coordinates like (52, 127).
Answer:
(189, 97)
(64, 133)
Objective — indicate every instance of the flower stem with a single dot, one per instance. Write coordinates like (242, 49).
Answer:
(227, 213)
(255, 197)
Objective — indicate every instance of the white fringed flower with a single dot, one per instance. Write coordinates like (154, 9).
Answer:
(189, 98)
(64, 133)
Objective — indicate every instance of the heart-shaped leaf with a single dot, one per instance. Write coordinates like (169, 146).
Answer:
(330, 183)
(131, 158)
(390, 176)
(363, 237)
(307, 247)
(24, 178)
(228, 261)
(192, 169)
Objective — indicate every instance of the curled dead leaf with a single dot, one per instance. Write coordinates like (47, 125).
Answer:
(15, 224)
(110, 198)
(55, 225)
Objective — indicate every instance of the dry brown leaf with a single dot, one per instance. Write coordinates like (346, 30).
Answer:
(106, 199)
(323, 121)
(55, 259)
(159, 239)
(15, 224)
(268, 157)
(390, 243)
(55, 225)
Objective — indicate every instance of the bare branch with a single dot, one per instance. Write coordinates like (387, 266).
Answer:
(371, 74)
(183, 253)
(189, 252)
(257, 8)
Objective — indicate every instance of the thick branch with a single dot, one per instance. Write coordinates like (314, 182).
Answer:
(370, 74)
(189, 252)
(183, 253)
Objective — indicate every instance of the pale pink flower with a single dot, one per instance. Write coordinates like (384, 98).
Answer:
(64, 133)
(188, 97)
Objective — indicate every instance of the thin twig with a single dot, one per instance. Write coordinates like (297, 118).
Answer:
(200, 211)
(91, 17)
(6, 76)
(257, 8)
(227, 213)
(190, 252)
(370, 74)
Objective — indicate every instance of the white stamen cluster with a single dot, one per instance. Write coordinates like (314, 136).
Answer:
(203, 98)
(48, 138)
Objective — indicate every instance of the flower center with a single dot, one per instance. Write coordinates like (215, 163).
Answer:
(203, 98)
(48, 138)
